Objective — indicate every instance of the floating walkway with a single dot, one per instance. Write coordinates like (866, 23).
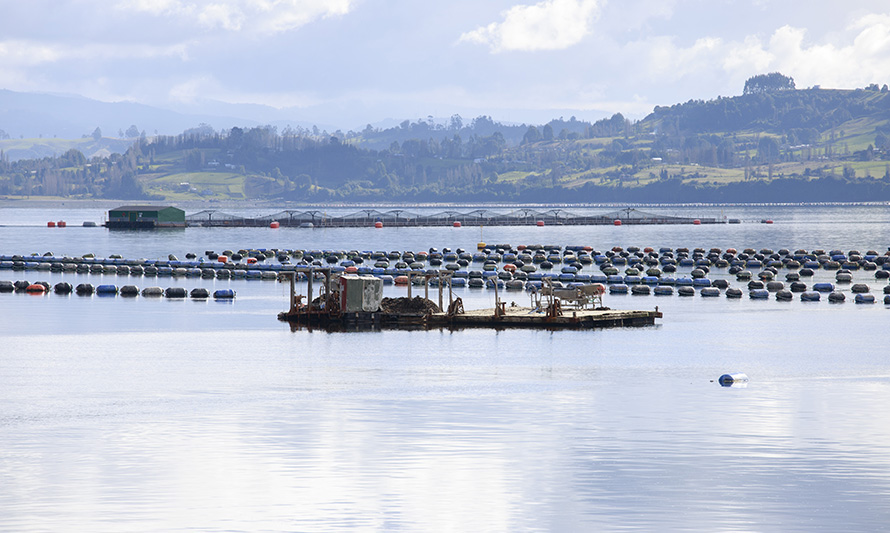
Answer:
(479, 217)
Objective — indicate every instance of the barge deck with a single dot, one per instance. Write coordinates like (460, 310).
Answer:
(507, 317)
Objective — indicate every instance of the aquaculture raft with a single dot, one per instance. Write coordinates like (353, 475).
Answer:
(511, 317)
(479, 217)
(553, 309)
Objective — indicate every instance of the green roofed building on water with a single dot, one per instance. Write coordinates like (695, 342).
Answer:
(145, 217)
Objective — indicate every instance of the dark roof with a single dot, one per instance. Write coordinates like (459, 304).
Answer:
(142, 207)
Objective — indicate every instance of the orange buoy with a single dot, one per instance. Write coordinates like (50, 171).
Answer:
(50, 224)
(251, 260)
(35, 288)
(696, 222)
(648, 249)
(378, 224)
(617, 222)
(521, 247)
(400, 280)
(510, 267)
(223, 259)
(61, 224)
(456, 224)
(274, 224)
(539, 223)
(351, 269)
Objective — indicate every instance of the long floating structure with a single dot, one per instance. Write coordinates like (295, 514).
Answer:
(479, 217)
(349, 301)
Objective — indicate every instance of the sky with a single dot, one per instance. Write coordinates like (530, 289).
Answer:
(348, 63)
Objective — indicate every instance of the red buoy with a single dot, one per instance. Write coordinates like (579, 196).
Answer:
(617, 222)
(274, 225)
(456, 224)
(61, 224)
(50, 224)
(35, 288)
(539, 223)
(223, 259)
(378, 224)
(696, 222)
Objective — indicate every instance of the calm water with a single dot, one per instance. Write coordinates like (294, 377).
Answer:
(158, 415)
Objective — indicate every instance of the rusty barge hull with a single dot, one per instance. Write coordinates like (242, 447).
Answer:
(511, 317)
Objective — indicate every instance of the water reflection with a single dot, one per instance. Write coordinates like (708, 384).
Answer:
(154, 414)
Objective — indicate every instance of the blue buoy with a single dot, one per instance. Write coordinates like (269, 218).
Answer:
(728, 380)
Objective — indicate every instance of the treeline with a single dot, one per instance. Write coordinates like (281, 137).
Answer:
(801, 114)
(71, 174)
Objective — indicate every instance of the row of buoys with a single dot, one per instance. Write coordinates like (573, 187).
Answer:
(520, 263)
(86, 289)
(569, 273)
(749, 258)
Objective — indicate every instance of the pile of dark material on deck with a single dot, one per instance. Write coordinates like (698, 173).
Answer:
(417, 305)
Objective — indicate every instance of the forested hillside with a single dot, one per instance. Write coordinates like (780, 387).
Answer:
(772, 143)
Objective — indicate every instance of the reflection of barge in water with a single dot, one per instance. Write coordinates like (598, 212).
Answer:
(355, 302)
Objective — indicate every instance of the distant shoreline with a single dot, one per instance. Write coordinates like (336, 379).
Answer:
(37, 202)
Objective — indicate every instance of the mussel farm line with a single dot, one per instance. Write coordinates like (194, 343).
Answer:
(479, 217)
(833, 275)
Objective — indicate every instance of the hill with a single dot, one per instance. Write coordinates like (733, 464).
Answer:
(766, 145)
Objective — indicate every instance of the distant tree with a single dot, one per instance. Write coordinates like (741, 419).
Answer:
(202, 130)
(768, 149)
(531, 136)
(548, 132)
(456, 122)
(768, 83)
(3, 135)
(194, 160)
(132, 132)
(97, 134)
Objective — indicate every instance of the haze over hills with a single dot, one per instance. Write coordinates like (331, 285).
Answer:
(39, 115)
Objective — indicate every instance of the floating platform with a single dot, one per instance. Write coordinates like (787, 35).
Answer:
(508, 317)
(480, 217)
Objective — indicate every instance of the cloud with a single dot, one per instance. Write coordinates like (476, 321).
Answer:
(257, 16)
(857, 56)
(547, 25)
(861, 57)
(29, 53)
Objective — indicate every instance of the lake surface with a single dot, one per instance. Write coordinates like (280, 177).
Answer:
(161, 415)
